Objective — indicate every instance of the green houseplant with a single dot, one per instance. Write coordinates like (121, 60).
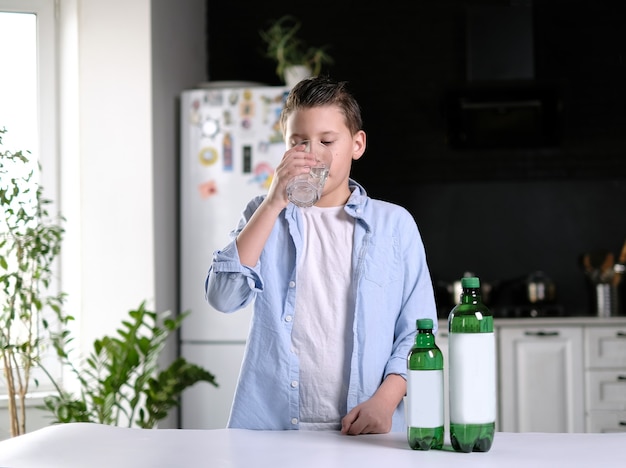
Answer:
(120, 382)
(30, 241)
(288, 50)
(120, 379)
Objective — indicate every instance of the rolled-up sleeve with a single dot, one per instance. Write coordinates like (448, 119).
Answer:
(229, 285)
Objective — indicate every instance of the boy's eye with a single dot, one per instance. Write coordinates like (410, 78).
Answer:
(327, 143)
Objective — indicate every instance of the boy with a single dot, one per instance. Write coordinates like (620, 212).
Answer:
(338, 286)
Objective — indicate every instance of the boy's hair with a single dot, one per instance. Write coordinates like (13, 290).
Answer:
(323, 91)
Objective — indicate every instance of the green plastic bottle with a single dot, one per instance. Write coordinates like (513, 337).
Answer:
(425, 419)
(472, 371)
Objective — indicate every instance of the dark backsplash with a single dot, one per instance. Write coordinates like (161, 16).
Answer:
(506, 230)
(501, 212)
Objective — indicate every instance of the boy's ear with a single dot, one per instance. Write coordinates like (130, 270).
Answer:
(359, 142)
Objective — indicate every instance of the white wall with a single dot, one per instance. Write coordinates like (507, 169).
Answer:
(123, 64)
(130, 61)
(115, 131)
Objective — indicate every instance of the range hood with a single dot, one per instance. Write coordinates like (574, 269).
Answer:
(499, 44)
(501, 104)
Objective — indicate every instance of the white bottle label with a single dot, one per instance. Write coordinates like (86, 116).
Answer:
(424, 398)
(472, 378)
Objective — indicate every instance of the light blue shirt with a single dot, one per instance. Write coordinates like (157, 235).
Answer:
(393, 288)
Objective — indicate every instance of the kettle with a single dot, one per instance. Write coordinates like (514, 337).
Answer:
(539, 288)
(455, 289)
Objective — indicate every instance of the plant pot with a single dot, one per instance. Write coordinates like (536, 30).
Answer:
(296, 73)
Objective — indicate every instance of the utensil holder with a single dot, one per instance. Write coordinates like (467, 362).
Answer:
(606, 300)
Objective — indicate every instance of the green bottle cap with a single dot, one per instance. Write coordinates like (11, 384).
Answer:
(470, 282)
(425, 324)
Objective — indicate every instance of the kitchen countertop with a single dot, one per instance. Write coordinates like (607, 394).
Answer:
(554, 321)
(98, 446)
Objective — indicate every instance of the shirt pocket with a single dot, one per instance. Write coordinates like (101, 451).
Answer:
(382, 264)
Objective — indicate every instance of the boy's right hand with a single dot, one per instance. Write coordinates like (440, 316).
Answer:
(295, 162)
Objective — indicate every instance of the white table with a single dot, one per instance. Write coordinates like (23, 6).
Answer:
(83, 445)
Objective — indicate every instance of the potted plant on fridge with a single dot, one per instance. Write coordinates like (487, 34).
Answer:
(295, 59)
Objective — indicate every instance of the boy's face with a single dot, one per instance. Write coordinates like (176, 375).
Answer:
(326, 124)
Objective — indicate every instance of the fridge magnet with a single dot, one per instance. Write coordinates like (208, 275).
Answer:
(207, 189)
(233, 98)
(214, 98)
(246, 108)
(227, 118)
(247, 159)
(263, 175)
(210, 127)
(277, 136)
(207, 156)
(269, 105)
(227, 152)
(263, 147)
(194, 113)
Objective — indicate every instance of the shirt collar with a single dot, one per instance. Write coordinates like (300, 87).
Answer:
(355, 206)
(357, 203)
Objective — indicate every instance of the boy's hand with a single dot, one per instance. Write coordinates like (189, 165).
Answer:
(295, 162)
(370, 417)
(375, 415)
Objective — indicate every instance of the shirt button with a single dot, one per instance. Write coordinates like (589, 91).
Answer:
(292, 284)
(288, 318)
(294, 421)
(294, 383)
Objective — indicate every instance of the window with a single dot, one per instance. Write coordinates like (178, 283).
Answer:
(28, 96)
(18, 83)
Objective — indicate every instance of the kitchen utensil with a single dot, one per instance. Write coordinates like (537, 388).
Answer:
(598, 266)
(620, 267)
(606, 269)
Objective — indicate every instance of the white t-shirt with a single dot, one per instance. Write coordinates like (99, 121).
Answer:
(322, 330)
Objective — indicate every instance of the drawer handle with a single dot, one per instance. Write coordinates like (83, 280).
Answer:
(621, 377)
(622, 423)
(542, 333)
(621, 334)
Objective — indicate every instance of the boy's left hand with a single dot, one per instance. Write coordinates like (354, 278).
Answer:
(370, 417)
(375, 415)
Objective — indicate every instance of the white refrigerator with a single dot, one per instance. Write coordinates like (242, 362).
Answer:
(230, 144)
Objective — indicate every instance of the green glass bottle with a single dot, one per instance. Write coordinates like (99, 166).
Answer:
(472, 371)
(425, 419)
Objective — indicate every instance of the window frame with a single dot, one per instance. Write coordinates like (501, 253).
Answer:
(47, 145)
(47, 80)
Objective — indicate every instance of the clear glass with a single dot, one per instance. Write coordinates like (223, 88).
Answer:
(305, 190)
(471, 316)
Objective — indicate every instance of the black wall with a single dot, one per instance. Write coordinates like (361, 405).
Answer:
(500, 212)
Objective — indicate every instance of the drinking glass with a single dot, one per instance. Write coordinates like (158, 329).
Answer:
(306, 189)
